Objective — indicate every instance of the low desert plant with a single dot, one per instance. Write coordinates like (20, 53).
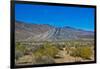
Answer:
(85, 52)
(47, 50)
(44, 60)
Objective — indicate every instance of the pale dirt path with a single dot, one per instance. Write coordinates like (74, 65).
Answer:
(67, 58)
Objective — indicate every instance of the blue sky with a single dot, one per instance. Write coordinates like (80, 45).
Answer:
(59, 16)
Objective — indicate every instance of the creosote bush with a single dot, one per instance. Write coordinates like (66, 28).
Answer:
(85, 52)
(19, 50)
(47, 50)
(45, 54)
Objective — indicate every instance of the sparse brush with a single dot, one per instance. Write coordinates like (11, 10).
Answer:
(47, 49)
(85, 52)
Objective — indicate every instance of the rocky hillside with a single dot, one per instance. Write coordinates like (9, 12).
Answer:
(45, 32)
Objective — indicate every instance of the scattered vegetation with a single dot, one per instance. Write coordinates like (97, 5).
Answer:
(84, 52)
(19, 50)
(47, 51)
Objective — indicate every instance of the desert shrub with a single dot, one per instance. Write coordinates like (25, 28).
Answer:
(19, 50)
(44, 60)
(85, 52)
(45, 54)
(46, 50)
(20, 47)
(23, 48)
(50, 50)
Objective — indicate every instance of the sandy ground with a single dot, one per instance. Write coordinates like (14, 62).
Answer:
(67, 58)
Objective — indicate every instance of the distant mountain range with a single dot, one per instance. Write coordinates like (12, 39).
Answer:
(45, 32)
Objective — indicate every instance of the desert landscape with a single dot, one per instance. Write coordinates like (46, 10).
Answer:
(50, 34)
(47, 44)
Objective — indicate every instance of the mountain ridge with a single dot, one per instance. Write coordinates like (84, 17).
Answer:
(46, 32)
